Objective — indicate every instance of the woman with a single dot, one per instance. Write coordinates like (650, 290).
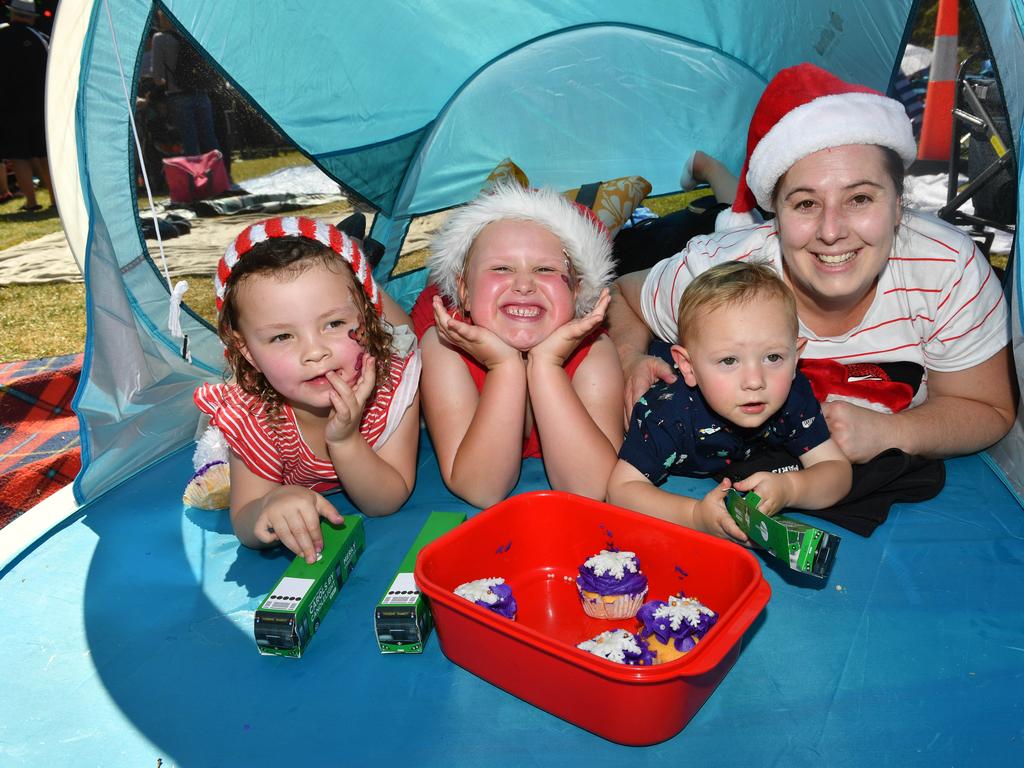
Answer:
(906, 324)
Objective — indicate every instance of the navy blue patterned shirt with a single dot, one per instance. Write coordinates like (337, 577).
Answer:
(673, 431)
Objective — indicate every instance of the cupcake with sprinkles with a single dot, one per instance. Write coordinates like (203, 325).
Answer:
(493, 594)
(611, 585)
(672, 628)
(620, 646)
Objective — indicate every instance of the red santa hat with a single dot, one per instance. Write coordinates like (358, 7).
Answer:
(805, 109)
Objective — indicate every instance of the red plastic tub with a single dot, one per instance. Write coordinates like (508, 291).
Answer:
(536, 542)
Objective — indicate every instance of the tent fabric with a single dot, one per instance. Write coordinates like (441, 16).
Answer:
(133, 641)
(133, 619)
(411, 114)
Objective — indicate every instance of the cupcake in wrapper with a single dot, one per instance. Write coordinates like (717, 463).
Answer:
(493, 594)
(672, 628)
(209, 487)
(611, 585)
(620, 646)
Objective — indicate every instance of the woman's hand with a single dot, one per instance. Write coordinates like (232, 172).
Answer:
(564, 339)
(632, 337)
(711, 516)
(479, 343)
(641, 374)
(348, 403)
(861, 433)
(291, 514)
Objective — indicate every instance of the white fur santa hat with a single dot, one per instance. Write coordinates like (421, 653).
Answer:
(584, 237)
(805, 109)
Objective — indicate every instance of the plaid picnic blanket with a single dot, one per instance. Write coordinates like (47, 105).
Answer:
(39, 449)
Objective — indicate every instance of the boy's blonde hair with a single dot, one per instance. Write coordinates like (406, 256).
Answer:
(732, 283)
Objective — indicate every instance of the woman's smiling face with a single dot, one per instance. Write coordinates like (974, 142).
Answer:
(517, 283)
(838, 210)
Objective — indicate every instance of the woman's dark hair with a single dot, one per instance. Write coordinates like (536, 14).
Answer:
(891, 162)
(292, 256)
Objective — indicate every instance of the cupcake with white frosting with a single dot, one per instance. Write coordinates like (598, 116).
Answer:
(672, 628)
(611, 585)
(620, 646)
(493, 594)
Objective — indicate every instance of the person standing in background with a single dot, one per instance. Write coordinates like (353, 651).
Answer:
(189, 102)
(23, 49)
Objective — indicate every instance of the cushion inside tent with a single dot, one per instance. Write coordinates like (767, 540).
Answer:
(133, 618)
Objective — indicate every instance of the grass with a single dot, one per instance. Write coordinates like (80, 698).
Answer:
(45, 320)
(41, 320)
(201, 299)
(17, 226)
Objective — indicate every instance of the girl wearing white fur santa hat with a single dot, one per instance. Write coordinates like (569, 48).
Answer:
(516, 363)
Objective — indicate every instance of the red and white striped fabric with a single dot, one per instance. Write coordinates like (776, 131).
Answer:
(297, 226)
(937, 304)
(278, 453)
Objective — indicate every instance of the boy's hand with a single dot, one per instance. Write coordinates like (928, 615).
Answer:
(479, 343)
(711, 516)
(291, 514)
(348, 403)
(564, 339)
(773, 488)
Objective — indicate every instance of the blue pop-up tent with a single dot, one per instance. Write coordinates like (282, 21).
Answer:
(132, 619)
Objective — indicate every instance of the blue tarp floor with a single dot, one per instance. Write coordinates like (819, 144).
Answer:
(129, 639)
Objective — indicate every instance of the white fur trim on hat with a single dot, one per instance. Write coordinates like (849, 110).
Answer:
(828, 121)
(728, 219)
(584, 238)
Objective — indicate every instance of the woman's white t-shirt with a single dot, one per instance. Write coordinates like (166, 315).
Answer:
(937, 303)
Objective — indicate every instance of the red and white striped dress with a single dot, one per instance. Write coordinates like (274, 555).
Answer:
(278, 452)
(937, 303)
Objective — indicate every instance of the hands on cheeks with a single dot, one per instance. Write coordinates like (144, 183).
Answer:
(564, 339)
(640, 376)
(348, 403)
(857, 431)
(711, 516)
(291, 514)
(477, 342)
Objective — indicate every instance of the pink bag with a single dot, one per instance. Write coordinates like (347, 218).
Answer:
(196, 177)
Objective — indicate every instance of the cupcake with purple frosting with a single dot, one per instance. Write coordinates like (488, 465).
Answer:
(493, 594)
(620, 646)
(672, 628)
(611, 585)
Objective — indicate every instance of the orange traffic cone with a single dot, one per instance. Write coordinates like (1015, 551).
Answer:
(937, 125)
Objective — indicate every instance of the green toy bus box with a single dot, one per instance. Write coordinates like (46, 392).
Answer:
(290, 615)
(402, 617)
(803, 547)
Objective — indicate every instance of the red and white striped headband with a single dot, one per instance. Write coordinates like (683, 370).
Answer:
(298, 226)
